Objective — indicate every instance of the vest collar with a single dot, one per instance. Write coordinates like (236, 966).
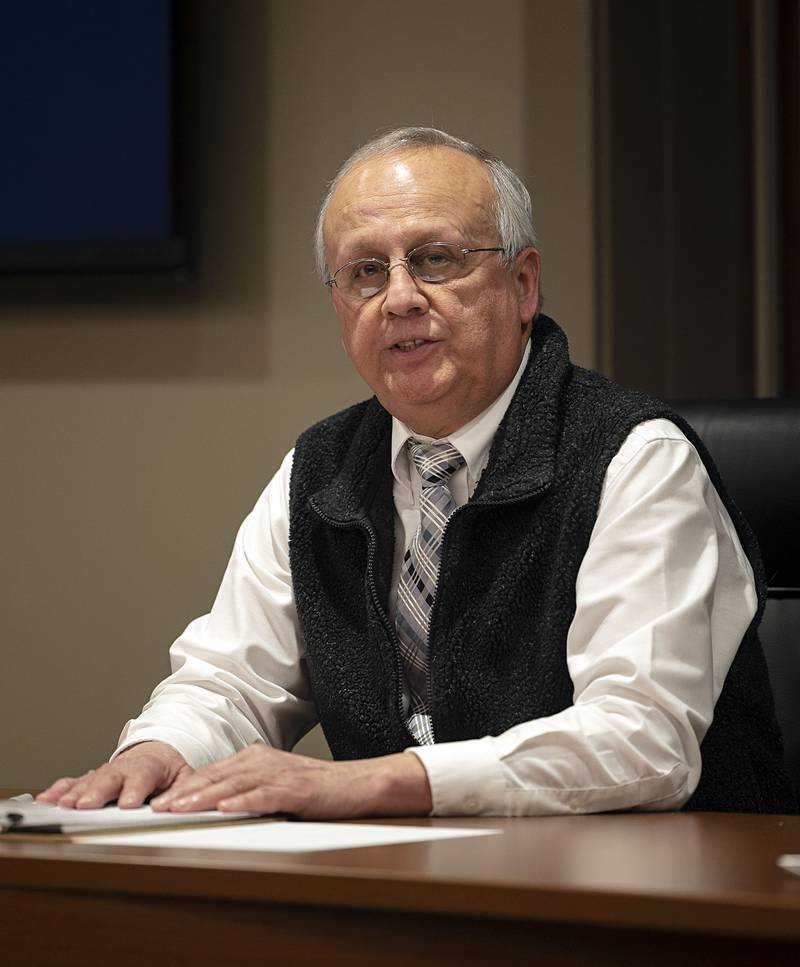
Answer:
(521, 459)
(349, 496)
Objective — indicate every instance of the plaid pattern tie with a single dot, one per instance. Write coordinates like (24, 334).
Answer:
(436, 462)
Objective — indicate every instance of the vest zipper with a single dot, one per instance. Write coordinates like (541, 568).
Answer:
(372, 543)
(429, 682)
(497, 503)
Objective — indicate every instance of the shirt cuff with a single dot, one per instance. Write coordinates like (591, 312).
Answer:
(466, 778)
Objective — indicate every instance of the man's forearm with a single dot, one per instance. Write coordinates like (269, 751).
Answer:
(267, 780)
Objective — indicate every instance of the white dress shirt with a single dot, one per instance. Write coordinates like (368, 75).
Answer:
(663, 597)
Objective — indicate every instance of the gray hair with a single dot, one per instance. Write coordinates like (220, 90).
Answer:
(511, 209)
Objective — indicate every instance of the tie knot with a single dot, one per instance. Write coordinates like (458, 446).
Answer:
(435, 461)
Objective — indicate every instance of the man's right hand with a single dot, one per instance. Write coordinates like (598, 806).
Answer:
(138, 772)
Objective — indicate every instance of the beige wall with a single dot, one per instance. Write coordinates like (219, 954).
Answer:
(140, 418)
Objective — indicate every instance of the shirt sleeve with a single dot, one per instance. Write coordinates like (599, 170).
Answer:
(664, 596)
(239, 672)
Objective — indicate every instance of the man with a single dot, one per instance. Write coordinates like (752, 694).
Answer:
(504, 585)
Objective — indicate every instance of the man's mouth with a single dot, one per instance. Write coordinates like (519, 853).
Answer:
(407, 345)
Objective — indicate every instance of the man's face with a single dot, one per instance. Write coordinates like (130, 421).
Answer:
(468, 333)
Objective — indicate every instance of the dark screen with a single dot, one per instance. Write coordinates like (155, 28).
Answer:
(86, 121)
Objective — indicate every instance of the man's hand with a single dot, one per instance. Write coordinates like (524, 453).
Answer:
(134, 775)
(267, 780)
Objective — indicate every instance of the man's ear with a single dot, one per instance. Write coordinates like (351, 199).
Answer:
(526, 278)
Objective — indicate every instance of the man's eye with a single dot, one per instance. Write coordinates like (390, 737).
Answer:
(367, 270)
(434, 258)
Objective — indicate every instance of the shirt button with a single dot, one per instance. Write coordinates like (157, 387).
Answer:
(471, 804)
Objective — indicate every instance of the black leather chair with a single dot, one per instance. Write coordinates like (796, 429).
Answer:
(756, 447)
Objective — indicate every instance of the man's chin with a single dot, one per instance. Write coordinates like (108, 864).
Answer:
(423, 408)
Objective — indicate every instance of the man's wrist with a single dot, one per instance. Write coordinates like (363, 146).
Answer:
(403, 788)
(150, 747)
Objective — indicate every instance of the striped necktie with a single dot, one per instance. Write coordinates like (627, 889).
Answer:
(416, 592)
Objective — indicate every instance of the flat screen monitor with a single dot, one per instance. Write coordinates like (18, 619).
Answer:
(88, 167)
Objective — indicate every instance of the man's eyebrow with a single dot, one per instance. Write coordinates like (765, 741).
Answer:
(367, 248)
(362, 250)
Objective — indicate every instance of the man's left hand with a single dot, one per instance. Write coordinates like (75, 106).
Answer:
(261, 779)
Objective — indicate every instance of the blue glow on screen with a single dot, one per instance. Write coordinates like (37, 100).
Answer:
(85, 120)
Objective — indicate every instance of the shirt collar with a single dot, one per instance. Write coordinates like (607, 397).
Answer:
(473, 440)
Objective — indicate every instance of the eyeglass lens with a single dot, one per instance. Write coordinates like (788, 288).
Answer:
(434, 262)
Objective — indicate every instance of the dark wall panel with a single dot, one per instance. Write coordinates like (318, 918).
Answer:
(680, 197)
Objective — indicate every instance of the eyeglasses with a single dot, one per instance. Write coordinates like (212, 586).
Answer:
(432, 262)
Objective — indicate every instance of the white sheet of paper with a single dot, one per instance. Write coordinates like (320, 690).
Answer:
(790, 862)
(287, 837)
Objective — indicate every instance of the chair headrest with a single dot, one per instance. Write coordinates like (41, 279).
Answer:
(756, 447)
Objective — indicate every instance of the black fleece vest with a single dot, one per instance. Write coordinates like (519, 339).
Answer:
(506, 592)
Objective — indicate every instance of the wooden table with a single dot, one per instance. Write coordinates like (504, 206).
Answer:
(644, 889)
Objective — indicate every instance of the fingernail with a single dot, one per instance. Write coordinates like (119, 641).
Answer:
(85, 800)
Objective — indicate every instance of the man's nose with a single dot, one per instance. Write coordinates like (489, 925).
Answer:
(402, 294)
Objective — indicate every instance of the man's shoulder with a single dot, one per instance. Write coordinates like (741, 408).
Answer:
(597, 387)
(594, 400)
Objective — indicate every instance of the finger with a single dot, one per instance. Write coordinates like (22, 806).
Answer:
(248, 759)
(136, 792)
(260, 800)
(137, 786)
(68, 798)
(193, 782)
(101, 788)
(210, 795)
(97, 788)
(56, 790)
(182, 787)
